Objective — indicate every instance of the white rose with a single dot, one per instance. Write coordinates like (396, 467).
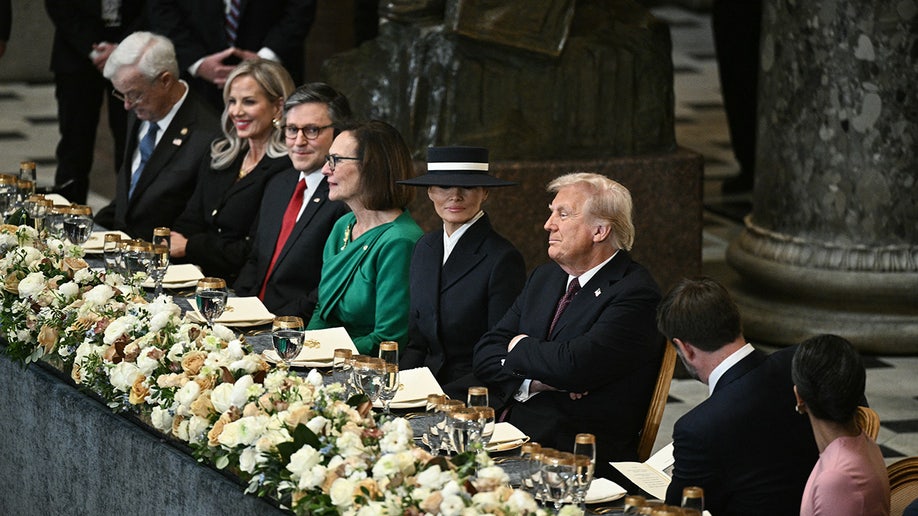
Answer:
(341, 492)
(161, 418)
(304, 460)
(271, 438)
(249, 459)
(522, 502)
(431, 478)
(146, 364)
(28, 255)
(175, 352)
(487, 500)
(317, 425)
(248, 363)
(243, 431)
(570, 510)
(275, 379)
(227, 395)
(122, 375)
(313, 478)
(350, 445)
(224, 333)
(452, 505)
(69, 290)
(119, 327)
(315, 378)
(188, 393)
(32, 285)
(159, 321)
(99, 295)
(494, 473)
(83, 276)
(397, 436)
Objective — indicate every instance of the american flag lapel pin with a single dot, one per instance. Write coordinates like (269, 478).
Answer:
(177, 142)
(597, 292)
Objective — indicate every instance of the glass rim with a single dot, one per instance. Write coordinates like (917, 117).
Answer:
(585, 439)
(161, 231)
(388, 345)
(287, 322)
(211, 282)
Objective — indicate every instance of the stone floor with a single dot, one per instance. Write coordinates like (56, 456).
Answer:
(28, 130)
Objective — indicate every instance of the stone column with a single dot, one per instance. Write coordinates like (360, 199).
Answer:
(832, 243)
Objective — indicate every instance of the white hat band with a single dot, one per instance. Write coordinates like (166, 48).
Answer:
(455, 165)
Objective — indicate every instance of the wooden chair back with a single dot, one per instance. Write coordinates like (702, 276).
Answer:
(657, 403)
(903, 484)
(868, 421)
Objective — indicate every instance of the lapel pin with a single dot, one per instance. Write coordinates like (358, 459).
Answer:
(177, 142)
(597, 292)
(184, 131)
(316, 199)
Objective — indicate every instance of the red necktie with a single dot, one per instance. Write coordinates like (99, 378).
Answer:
(290, 216)
(572, 289)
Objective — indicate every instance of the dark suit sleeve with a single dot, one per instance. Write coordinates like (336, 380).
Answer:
(415, 351)
(6, 20)
(613, 345)
(506, 282)
(287, 35)
(694, 463)
(191, 221)
(74, 25)
(169, 19)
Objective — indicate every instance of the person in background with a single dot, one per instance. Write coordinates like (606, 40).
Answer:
(744, 445)
(464, 276)
(850, 477)
(6, 24)
(213, 36)
(296, 216)
(170, 132)
(364, 285)
(86, 32)
(214, 230)
(578, 352)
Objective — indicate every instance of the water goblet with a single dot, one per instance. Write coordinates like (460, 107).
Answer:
(447, 408)
(159, 267)
(161, 236)
(477, 397)
(486, 420)
(584, 464)
(78, 224)
(54, 222)
(530, 454)
(370, 377)
(557, 474)
(8, 194)
(210, 296)
(110, 250)
(341, 369)
(388, 351)
(464, 429)
(138, 259)
(431, 437)
(390, 388)
(287, 336)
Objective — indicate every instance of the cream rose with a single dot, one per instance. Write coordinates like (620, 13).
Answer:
(122, 375)
(342, 493)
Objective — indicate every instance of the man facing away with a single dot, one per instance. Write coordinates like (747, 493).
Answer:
(169, 132)
(745, 445)
(296, 215)
(578, 351)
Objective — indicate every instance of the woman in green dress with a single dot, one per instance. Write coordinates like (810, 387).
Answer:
(364, 285)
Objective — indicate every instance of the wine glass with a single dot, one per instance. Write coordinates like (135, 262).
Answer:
(390, 388)
(530, 454)
(78, 224)
(138, 259)
(161, 236)
(341, 369)
(464, 429)
(287, 335)
(110, 250)
(447, 408)
(432, 412)
(160, 265)
(210, 296)
(55, 219)
(486, 420)
(584, 465)
(370, 377)
(477, 397)
(8, 194)
(37, 207)
(557, 476)
(388, 351)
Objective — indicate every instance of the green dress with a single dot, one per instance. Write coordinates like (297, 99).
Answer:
(364, 285)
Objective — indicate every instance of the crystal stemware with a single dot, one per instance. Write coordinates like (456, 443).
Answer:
(210, 296)
(370, 377)
(388, 351)
(159, 267)
(529, 454)
(138, 259)
(161, 236)
(557, 476)
(486, 420)
(477, 397)
(78, 224)
(390, 388)
(584, 464)
(464, 430)
(110, 251)
(287, 335)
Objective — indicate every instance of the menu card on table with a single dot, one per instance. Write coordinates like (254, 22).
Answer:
(650, 475)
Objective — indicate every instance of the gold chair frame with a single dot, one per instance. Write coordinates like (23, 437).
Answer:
(657, 402)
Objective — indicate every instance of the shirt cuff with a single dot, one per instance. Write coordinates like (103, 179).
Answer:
(193, 69)
(522, 394)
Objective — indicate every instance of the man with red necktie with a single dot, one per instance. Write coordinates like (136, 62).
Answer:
(578, 351)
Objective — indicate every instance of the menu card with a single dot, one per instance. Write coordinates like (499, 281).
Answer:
(650, 475)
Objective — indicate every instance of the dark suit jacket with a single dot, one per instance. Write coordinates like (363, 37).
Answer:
(605, 343)
(745, 445)
(6, 20)
(78, 24)
(291, 289)
(170, 175)
(454, 304)
(220, 217)
(196, 29)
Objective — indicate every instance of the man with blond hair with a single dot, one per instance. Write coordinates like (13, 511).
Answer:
(578, 351)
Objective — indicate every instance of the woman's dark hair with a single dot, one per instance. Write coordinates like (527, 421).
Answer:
(385, 159)
(830, 377)
(701, 312)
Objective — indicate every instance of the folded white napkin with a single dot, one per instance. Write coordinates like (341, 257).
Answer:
(240, 311)
(603, 489)
(97, 240)
(182, 273)
(415, 385)
(505, 432)
(328, 339)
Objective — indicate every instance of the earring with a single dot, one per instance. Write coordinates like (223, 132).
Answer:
(276, 123)
(800, 408)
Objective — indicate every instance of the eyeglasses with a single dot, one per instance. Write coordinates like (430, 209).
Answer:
(130, 98)
(311, 132)
(332, 160)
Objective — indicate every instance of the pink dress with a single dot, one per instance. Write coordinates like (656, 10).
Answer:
(849, 479)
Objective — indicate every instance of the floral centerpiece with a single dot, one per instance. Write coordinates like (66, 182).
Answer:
(290, 437)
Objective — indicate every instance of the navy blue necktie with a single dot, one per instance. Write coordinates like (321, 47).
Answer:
(147, 144)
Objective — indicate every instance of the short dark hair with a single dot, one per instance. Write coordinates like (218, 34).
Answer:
(701, 312)
(385, 159)
(339, 109)
(830, 377)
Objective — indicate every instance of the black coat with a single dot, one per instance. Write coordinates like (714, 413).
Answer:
(605, 343)
(219, 219)
(78, 24)
(291, 289)
(454, 304)
(169, 177)
(745, 445)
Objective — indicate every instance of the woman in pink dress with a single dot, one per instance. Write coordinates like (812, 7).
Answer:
(850, 476)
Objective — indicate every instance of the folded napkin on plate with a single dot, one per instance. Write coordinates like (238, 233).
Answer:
(416, 384)
(505, 433)
(181, 275)
(239, 310)
(97, 240)
(603, 489)
(320, 345)
(57, 199)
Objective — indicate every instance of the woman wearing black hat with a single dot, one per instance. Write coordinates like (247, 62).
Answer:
(463, 277)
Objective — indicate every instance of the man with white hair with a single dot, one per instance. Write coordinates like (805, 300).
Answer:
(578, 351)
(169, 132)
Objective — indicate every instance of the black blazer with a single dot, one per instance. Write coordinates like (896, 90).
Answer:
(745, 445)
(78, 24)
(291, 289)
(169, 178)
(605, 343)
(454, 304)
(219, 219)
(196, 29)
